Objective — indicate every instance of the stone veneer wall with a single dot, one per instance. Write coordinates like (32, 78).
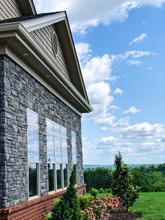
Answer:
(2, 136)
(19, 91)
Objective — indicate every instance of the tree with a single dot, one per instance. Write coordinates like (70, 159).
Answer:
(68, 207)
(122, 186)
(94, 178)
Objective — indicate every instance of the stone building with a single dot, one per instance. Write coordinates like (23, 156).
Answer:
(42, 97)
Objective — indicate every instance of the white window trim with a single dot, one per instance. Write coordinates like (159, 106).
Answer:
(37, 162)
(61, 163)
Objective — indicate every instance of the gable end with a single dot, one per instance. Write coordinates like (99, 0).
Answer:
(9, 9)
(44, 37)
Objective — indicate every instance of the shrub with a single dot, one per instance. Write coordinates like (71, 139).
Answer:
(101, 190)
(108, 190)
(48, 216)
(122, 186)
(99, 207)
(85, 201)
(94, 192)
(68, 207)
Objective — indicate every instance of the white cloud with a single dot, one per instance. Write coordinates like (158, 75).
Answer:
(107, 140)
(118, 91)
(97, 72)
(131, 54)
(83, 51)
(104, 12)
(114, 107)
(131, 110)
(134, 62)
(144, 141)
(139, 39)
(122, 122)
(97, 69)
(145, 130)
(100, 99)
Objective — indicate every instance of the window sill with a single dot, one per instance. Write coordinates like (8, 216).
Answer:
(33, 197)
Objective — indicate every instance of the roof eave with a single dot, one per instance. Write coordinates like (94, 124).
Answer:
(17, 30)
(60, 20)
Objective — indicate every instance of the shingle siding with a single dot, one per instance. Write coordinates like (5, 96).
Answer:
(20, 91)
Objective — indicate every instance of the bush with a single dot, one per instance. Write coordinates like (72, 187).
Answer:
(108, 190)
(101, 190)
(99, 207)
(122, 186)
(48, 216)
(85, 201)
(68, 207)
(94, 192)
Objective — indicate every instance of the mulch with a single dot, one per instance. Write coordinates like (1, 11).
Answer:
(121, 215)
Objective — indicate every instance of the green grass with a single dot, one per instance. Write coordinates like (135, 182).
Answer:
(151, 205)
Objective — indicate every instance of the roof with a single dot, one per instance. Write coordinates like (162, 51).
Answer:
(26, 18)
(75, 92)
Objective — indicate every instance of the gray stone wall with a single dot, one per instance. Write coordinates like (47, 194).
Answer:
(2, 137)
(21, 91)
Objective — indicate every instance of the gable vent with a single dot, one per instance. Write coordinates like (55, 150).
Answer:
(54, 43)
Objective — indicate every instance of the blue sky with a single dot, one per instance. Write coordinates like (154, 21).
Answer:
(121, 49)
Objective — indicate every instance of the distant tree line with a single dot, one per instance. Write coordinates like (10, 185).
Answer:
(150, 178)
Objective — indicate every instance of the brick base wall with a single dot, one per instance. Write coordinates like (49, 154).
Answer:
(34, 209)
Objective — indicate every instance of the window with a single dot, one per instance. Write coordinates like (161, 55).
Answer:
(57, 155)
(74, 152)
(33, 152)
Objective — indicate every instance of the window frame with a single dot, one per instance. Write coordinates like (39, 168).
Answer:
(74, 143)
(36, 162)
(56, 162)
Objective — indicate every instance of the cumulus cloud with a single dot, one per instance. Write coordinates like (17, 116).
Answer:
(104, 12)
(97, 69)
(100, 99)
(83, 52)
(118, 91)
(139, 39)
(143, 140)
(131, 110)
(145, 129)
(97, 72)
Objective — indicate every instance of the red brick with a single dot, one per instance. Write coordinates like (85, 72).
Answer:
(34, 209)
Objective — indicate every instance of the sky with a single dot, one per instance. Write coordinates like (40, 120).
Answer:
(121, 50)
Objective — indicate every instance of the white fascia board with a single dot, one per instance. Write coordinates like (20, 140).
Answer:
(37, 23)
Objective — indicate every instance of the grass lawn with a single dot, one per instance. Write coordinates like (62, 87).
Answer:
(151, 205)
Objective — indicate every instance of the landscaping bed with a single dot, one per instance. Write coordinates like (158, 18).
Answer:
(121, 215)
